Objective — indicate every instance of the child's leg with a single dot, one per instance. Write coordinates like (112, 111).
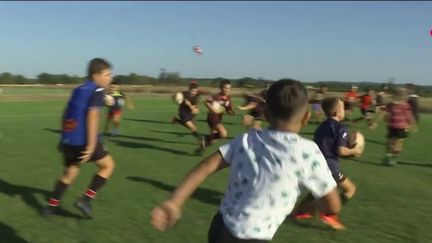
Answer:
(218, 233)
(193, 128)
(247, 121)
(116, 122)
(106, 167)
(348, 188)
(108, 124)
(69, 175)
(305, 208)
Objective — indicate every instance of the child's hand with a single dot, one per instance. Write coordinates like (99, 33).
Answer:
(86, 154)
(165, 216)
(373, 126)
(357, 152)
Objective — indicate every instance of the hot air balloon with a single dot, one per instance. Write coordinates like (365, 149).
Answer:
(197, 49)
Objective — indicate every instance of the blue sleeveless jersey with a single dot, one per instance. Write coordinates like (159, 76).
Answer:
(84, 97)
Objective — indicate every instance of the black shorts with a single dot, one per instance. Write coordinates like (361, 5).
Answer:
(72, 153)
(213, 120)
(397, 133)
(348, 105)
(339, 177)
(185, 117)
(218, 233)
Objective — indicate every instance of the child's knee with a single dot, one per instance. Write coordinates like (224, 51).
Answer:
(223, 134)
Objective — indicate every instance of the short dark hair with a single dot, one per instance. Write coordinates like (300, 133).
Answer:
(193, 86)
(97, 65)
(285, 99)
(329, 105)
(224, 82)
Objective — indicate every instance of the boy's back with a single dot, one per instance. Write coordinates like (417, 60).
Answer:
(267, 169)
(400, 113)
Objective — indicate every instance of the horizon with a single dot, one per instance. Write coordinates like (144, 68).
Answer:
(308, 41)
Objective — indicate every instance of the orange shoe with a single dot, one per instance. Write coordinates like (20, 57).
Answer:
(302, 216)
(332, 221)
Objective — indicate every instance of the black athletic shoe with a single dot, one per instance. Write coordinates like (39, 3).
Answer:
(84, 207)
(49, 211)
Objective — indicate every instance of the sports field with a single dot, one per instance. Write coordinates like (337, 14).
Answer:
(392, 204)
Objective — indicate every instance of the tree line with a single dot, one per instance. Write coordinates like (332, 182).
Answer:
(174, 78)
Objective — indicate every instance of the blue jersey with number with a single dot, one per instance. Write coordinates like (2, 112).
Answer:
(85, 97)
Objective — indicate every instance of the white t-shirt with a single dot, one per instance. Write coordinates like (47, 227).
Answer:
(267, 170)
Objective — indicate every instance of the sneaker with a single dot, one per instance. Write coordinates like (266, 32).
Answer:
(392, 161)
(49, 211)
(174, 120)
(84, 207)
(332, 221)
(302, 216)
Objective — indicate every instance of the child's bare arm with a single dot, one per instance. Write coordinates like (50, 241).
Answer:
(249, 106)
(167, 214)
(345, 151)
(92, 131)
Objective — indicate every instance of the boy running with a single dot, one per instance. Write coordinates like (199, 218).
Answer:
(188, 110)
(79, 139)
(115, 111)
(268, 167)
(400, 121)
(332, 138)
(214, 120)
(255, 105)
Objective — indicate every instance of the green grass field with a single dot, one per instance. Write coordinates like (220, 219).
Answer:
(392, 204)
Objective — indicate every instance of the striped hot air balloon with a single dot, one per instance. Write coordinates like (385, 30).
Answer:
(197, 50)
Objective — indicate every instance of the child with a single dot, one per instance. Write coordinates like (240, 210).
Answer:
(332, 139)
(116, 110)
(400, 120)
(79, 140)
(350, 101)
(366, 106)
(214, 120)
(188, 109)
(316, 102)
(255, 105)
(267, 169)
(413, 101)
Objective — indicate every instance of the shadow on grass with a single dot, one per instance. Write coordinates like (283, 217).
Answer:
(149, 146)
(58, 131)
(223, 122)
(147, 121)
(366, 162)
(8, 234)
(201, 194)
(375, 142)
(414, 164)
(130, 137)
(27, 194)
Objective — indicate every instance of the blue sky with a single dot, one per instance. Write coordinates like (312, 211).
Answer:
(310, 41)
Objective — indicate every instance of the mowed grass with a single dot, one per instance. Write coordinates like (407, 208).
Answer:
(392, 204)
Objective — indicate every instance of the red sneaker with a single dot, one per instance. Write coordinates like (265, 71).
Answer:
(303, 216)
(332, 221)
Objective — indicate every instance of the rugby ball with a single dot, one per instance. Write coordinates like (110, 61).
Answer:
(217, 107)
(356, 140)
(178, 98)
(109, 100)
